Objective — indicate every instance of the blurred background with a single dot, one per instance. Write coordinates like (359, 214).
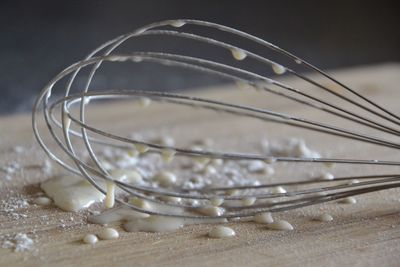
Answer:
(40, 38)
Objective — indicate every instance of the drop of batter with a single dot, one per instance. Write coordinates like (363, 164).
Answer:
(110, 194)
(263, 217)
(42, 201)
(238, 54)
(171, 199)
(142, 148)
(280, 225)
(108, 234)
(211, 211)
(90, 239)
(217, 201)
(221, 232)
(326, 176)
(71, 193)
(324, 217)
(141, 203)
(258, 166)
(177, 23)
(348, 200)
(248, 201)
(278, 190)
(278, 69)
(165, 178)
(127, 176)
(154, 224)
(168, 155)
(232, 192)
(67, 122)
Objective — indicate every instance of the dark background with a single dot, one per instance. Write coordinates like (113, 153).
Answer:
(40, 38)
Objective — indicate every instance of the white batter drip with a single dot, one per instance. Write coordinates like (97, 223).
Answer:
(168, 155)
(128, 176)
(154, 224)
(221, 232)
(90, 239)
(177, 23)
(324, 217)
(238, 54)
(110, 196)
(211, 211)
(108, 234)
(142, 148)
(42, 201)
(117, 214)
(348, 200)
(280, 225)
(248, 201)
(278, 69)
(278, 190)
(326, 176)
(137, 221)
(71, 193)
(217, 201)
(264, 217)
(67, 122)
(165, 178)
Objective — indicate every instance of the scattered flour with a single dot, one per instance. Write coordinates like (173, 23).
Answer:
(19, 243)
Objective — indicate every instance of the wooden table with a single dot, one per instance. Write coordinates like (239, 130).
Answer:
(364, 234)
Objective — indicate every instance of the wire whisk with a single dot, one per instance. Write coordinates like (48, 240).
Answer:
(371, 123)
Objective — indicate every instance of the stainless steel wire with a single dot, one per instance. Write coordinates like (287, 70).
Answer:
(378, 118)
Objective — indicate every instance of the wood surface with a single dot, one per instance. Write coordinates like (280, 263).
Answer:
(364, 234)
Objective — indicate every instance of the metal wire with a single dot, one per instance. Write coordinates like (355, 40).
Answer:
(369, 114)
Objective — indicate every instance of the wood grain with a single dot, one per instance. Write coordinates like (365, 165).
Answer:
(365, 234)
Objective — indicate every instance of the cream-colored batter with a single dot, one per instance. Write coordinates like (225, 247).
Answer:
(71, 193)
(238, 54)
(280, 225)
(221, 232)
